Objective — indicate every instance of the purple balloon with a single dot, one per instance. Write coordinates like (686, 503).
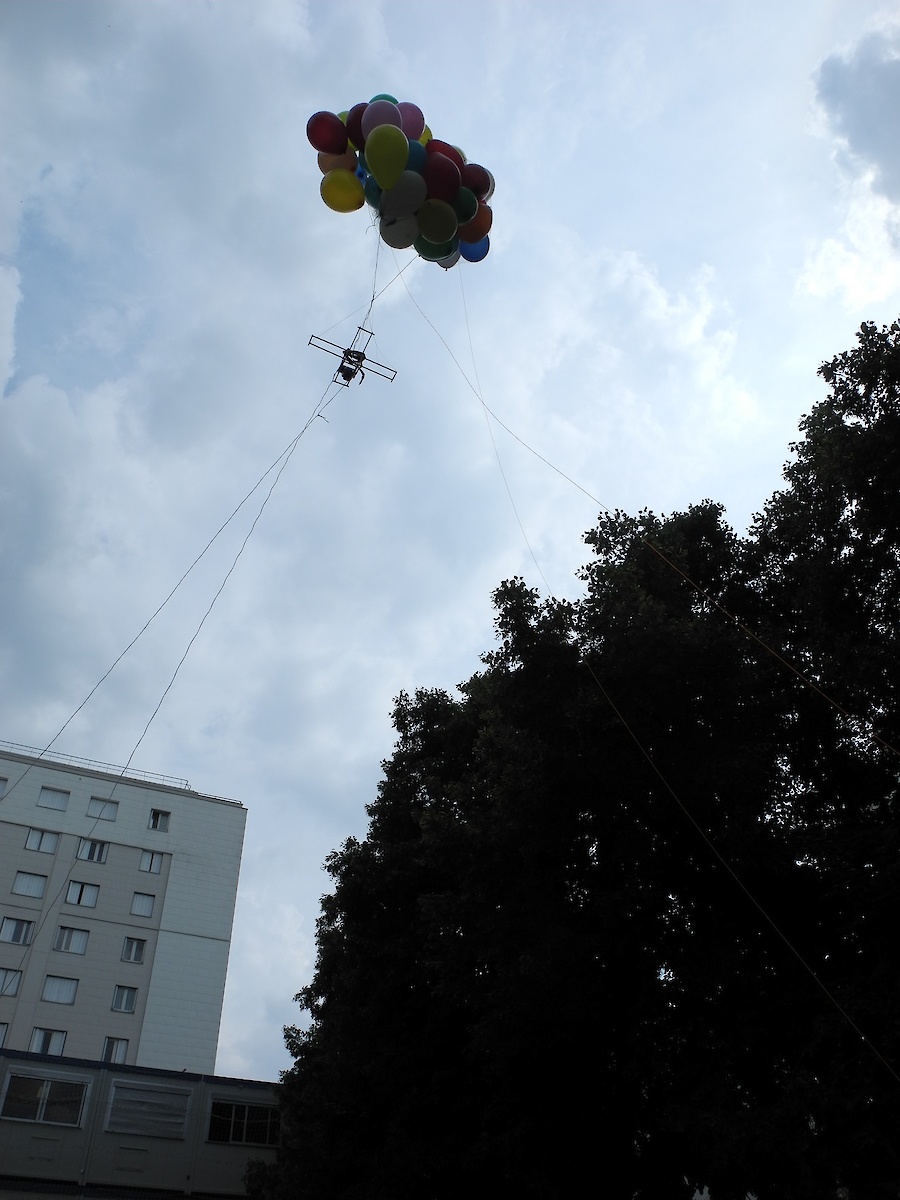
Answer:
(413, 120)
(380, 112)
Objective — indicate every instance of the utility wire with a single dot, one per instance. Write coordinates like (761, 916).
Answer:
(805, 679)
(284, 455)
(281, 463)
(637, 741)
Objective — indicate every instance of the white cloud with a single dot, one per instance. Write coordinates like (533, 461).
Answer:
(10, 295)
(862, 264)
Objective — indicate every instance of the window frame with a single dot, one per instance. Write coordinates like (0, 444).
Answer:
(159, 820)
(45, 1099)
(42, 835)
(145, 896)
(69, 929)
(54, 1033)
(112, 1047)
(64, 984)
(125, 991)
(10, 975)
(121, 1117)
(138, 944)
(48, 792)
(242, 1122)
(154, 860)
(100, 809)
(28, 931)
(23, 875)
(96, 848)
(83, 885)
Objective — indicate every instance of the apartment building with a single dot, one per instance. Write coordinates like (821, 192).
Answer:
(117, 896)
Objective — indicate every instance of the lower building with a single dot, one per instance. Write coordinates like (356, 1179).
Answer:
(71, 1125)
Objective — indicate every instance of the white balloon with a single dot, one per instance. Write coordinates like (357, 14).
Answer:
(399, 234)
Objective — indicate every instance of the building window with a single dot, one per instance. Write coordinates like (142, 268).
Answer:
(92, 851)
(41, 839)
(3, 783)
(115, 1050)
(3, 1025)
(103, 810)
(14, 930)
(124, 998)
(159, 820)
(142, 904)
(26, 884)
(53, 798)
(71, 941)
(152, 861)
(84, 894)
(249, 1124)
(150, 1112)
(47, 1041)
(59, 990)
(48, 1101)
(133, 950)
(9, 981)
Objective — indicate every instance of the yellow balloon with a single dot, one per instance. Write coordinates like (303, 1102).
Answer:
(426, 136)
(342, 191)
(387, 149)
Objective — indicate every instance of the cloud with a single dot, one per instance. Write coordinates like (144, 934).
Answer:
(860, 94)
(862, 264)
(10, 295)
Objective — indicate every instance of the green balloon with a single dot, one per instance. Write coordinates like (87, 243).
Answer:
(384, 96)
(465, 205)
(437, 221)
(432, 251)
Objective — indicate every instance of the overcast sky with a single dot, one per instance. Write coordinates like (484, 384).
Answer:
(697, 203)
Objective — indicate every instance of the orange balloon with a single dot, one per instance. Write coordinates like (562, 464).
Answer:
(338, 162)
(479, 226)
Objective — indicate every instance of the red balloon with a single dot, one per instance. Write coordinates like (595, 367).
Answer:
(479, 227)
(327, 133)
(451, 152)
(477, 179)
(441, 177)
(354, 125)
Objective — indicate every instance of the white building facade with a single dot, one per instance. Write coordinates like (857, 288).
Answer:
(117, 898)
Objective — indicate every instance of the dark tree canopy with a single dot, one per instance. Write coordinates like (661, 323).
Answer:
(576, 947)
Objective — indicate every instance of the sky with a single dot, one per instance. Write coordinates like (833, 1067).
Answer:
(696, 205)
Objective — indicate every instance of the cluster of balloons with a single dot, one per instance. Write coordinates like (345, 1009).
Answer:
(427, 196)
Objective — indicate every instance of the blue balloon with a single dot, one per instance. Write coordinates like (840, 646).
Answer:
(372, 192)
(418, 157)
(474, 251)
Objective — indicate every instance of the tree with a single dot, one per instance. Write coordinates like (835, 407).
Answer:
(606, 887)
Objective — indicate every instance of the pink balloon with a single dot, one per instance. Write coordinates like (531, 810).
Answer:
(412, 120)
(380, 112)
